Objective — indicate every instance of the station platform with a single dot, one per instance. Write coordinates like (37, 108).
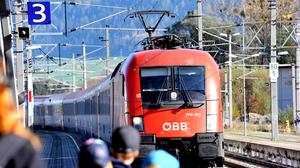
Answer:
(285, 141)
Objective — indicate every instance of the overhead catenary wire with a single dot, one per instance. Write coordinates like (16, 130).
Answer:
(95, 5)
(69, 45)
(120, 28)
(99, 20)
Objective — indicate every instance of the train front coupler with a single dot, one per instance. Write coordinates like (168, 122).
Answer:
(210, 147)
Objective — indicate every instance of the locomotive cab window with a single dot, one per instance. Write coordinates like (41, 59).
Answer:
(176, 86)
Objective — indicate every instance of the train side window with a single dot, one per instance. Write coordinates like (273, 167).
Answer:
(100, 103)
(123, 85)
(116, 70)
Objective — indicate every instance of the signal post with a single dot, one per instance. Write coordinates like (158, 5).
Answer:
(38, 14)
(274, 72)
(297, 115)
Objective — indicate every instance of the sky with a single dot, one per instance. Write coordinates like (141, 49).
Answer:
(122, 43)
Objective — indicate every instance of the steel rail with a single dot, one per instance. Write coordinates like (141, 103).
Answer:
(252, 160)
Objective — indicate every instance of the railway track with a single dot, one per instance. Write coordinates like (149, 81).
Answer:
(60, 149)
(242, 161)
(241, 153)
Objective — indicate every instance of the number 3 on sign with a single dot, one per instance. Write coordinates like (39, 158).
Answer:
(39, 13)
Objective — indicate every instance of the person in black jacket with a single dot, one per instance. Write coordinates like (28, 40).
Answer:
(18, 146)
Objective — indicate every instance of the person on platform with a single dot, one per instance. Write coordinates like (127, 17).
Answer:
(125, 146)
(19, 147)
(94, 154)
(160, 159)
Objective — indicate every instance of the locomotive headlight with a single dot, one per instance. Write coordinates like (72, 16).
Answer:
(211, 123)
(138, 123)
(173, 95)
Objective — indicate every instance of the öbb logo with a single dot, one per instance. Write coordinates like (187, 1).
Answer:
(175, 126)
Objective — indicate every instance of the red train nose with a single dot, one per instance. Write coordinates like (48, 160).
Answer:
(167, 123)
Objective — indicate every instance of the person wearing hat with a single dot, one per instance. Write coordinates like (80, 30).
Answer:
(160, 159)
(125, 146)
(94, 154)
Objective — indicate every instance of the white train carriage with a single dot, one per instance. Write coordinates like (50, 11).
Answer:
(83, 112)
(79, 112)
(69, 111)
(54, 111)
(92, 98)
(39, 110)
(103, 92)
(92, 112)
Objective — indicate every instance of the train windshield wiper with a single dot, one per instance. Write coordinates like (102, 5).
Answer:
(186, 96)
(198, 104)
(161, 90)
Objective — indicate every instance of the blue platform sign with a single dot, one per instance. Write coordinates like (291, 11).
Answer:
(39, 13)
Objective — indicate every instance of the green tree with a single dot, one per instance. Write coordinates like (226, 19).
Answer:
(40, 89)
(257, 91)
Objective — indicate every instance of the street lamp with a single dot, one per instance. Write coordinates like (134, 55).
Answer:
(107, 47)
(244, 92)
(33, 47)
(84, 65)
(229, 35)
(39, 56)
(244, 88)
(283, 53)
(244, 98)
(73, 73)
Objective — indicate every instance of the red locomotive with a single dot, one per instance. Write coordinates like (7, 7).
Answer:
(173, 99)
(171, 96)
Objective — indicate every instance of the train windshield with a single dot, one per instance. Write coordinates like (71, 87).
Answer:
(170, 87)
